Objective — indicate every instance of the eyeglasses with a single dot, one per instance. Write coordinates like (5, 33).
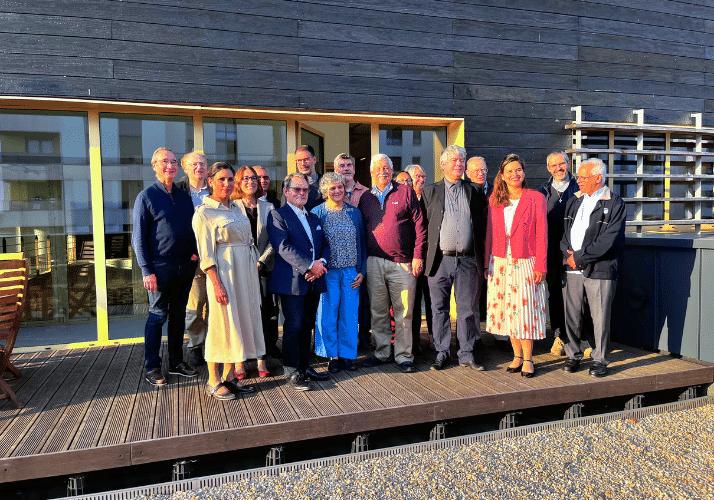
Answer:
(250, 179)
(197, 164)
(300, 190)
(561, 164)
(479, 171)
(166, 161)
(581, 178)
(303, 160)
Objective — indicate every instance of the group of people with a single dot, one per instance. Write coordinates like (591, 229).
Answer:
(349, 261)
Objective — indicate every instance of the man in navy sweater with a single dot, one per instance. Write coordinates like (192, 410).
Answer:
(166, 252)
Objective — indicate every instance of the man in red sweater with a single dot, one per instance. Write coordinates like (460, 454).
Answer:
(396, 247)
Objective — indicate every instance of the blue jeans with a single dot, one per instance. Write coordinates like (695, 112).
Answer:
(336, 325)
(173, 285)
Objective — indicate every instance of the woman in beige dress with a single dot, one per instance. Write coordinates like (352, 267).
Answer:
(229, 259)
(247, 195)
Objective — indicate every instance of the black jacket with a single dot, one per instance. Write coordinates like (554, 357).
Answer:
(433, 199)
(604, 240)
(556, 215)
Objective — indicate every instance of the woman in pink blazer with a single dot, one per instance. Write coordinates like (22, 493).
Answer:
(516, 249)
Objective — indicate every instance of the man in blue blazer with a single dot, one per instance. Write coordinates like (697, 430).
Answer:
(302, 253)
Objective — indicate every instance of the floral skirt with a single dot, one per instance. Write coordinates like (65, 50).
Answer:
(516, 305)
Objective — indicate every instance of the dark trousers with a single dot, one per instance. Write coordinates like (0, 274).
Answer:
(299, 312)
(422, 291)
(269, 317)
(464, 274)
(173, 282)
(364, 317)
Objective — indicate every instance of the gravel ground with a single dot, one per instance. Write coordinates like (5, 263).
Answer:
(667, 456)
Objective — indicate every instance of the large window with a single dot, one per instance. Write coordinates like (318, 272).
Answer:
(420, 145)
(248, 142)
(128, 142)
(46, 213)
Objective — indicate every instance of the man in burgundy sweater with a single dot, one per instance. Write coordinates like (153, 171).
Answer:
(396, 247)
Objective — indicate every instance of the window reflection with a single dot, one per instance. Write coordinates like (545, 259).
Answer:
(128, 142)
(46, 213)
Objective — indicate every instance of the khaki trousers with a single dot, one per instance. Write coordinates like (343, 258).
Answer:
(392, 284)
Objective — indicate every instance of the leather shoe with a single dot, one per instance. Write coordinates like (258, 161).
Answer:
(372, 361)
(183, 370)
(571, 365)
(333, 366)
(439, 362)
(598, 370)
(311, 374)
(347, 364)
(237, 388)
(474, 366)
(407, 367)
(155, 377)
(298, 383)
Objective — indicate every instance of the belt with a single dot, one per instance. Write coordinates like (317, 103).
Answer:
(458, 254)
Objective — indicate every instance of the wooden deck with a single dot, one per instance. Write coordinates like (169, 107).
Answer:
(90, 409)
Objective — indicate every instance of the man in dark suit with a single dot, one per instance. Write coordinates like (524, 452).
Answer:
(302, 253)
(456, 229)
(476, 171)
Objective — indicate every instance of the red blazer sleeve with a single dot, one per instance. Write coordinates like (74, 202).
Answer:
(541, 236)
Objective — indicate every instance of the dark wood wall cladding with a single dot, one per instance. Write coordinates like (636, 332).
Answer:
(511, 68)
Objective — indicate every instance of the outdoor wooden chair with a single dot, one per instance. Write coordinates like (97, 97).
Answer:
(14, 271)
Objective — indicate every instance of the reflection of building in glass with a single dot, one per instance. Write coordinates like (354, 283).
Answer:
(46, 213)
(406, 145)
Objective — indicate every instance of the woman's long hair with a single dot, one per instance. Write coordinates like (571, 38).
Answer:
(238, 193)
(500, 188)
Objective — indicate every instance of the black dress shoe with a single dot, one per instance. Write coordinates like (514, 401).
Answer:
(298, 383)
(598, 370)
(183, 370)
(237, 388)
(439, 363)
(474, 366)
(407, 367)
(372, 361)
(311, 374)
(155, 377)
(333, 366)
(571, 365)
(347, 364)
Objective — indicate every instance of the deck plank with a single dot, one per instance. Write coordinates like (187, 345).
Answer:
(94, 419)
(122, 406)
(43, 387)
(74, 415)
(90, 409)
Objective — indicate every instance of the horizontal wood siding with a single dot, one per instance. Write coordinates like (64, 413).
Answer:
(512, 69)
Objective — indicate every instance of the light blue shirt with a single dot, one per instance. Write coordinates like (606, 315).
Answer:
(381, 195)
(302, 217)
(582, 220)
(198, 196)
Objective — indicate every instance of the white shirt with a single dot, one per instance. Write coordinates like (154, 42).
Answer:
(582, 221)
(302, 217)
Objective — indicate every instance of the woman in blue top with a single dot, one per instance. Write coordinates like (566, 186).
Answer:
(336, 326)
